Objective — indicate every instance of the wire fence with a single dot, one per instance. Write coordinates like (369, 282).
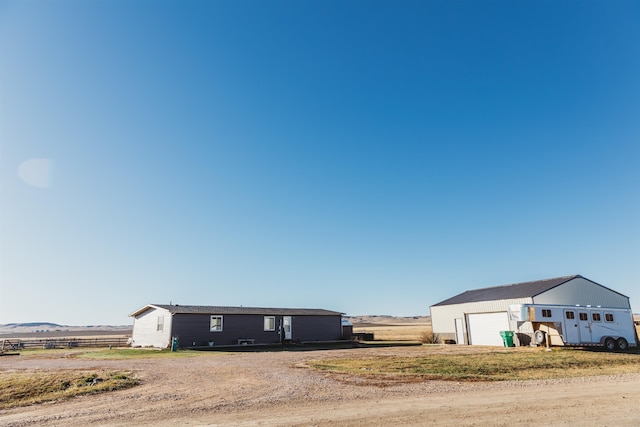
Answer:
(46, 343)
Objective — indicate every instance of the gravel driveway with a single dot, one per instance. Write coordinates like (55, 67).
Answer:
(275, 389)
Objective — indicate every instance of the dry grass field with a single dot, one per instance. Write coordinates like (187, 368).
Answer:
(386, 328)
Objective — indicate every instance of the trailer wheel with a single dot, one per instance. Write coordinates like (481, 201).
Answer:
(610, 344)
(539, 337)
(622, 344)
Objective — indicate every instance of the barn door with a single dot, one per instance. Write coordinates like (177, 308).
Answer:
(286, 324)
(459, 332)
(484, 328)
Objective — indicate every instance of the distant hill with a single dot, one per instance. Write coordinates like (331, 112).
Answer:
(32, 324)
(38, 327)
(387, 320)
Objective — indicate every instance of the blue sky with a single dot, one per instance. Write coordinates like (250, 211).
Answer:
(370, 157)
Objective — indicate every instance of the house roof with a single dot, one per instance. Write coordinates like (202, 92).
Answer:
(208, 309)
(517, 290)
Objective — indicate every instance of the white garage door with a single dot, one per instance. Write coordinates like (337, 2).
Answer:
(484, 328)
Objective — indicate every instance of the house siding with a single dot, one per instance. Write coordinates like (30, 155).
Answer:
(194, 329)
(145, 327)
(316, 328)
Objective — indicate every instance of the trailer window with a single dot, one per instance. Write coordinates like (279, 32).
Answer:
(596, 317)
(546, 313)
(583, 316)
(608, 317)
(570, 315)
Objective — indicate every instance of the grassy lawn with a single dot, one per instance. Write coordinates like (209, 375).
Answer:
(27, 388)
(489, 366)
(135, 353)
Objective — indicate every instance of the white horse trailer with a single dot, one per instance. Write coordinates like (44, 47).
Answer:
(576, 325)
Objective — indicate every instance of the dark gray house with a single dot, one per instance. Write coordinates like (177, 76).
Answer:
(155, 325)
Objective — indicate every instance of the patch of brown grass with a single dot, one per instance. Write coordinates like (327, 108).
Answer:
(515, 364)
(30, 387)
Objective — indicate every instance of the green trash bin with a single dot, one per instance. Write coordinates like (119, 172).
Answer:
(507, 338)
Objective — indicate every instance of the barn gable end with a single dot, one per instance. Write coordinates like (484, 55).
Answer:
(582, 291)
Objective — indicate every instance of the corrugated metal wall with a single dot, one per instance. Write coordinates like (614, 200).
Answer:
(443, 317)
(583, 292)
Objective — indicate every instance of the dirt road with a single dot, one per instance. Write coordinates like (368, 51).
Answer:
(275, 389)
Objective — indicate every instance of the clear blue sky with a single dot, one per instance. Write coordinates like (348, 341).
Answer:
(370, 157)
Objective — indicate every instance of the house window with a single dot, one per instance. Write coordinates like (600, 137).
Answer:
(584, 317)
(595, 317)
(546, 313)
(608, 317)
(216, 323)
(570, 315)
(160, 324)
(269, 323)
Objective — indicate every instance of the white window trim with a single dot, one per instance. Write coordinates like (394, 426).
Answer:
(160, 324)
(273, 328)
(211, 324)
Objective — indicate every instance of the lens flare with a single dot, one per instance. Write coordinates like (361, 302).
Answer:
(36, 172)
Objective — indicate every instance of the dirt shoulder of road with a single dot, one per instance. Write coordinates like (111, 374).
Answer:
(275, 389)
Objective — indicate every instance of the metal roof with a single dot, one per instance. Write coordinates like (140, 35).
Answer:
(208, 309)
(517, 290)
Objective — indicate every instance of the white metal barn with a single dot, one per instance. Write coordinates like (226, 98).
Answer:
(476, 317)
